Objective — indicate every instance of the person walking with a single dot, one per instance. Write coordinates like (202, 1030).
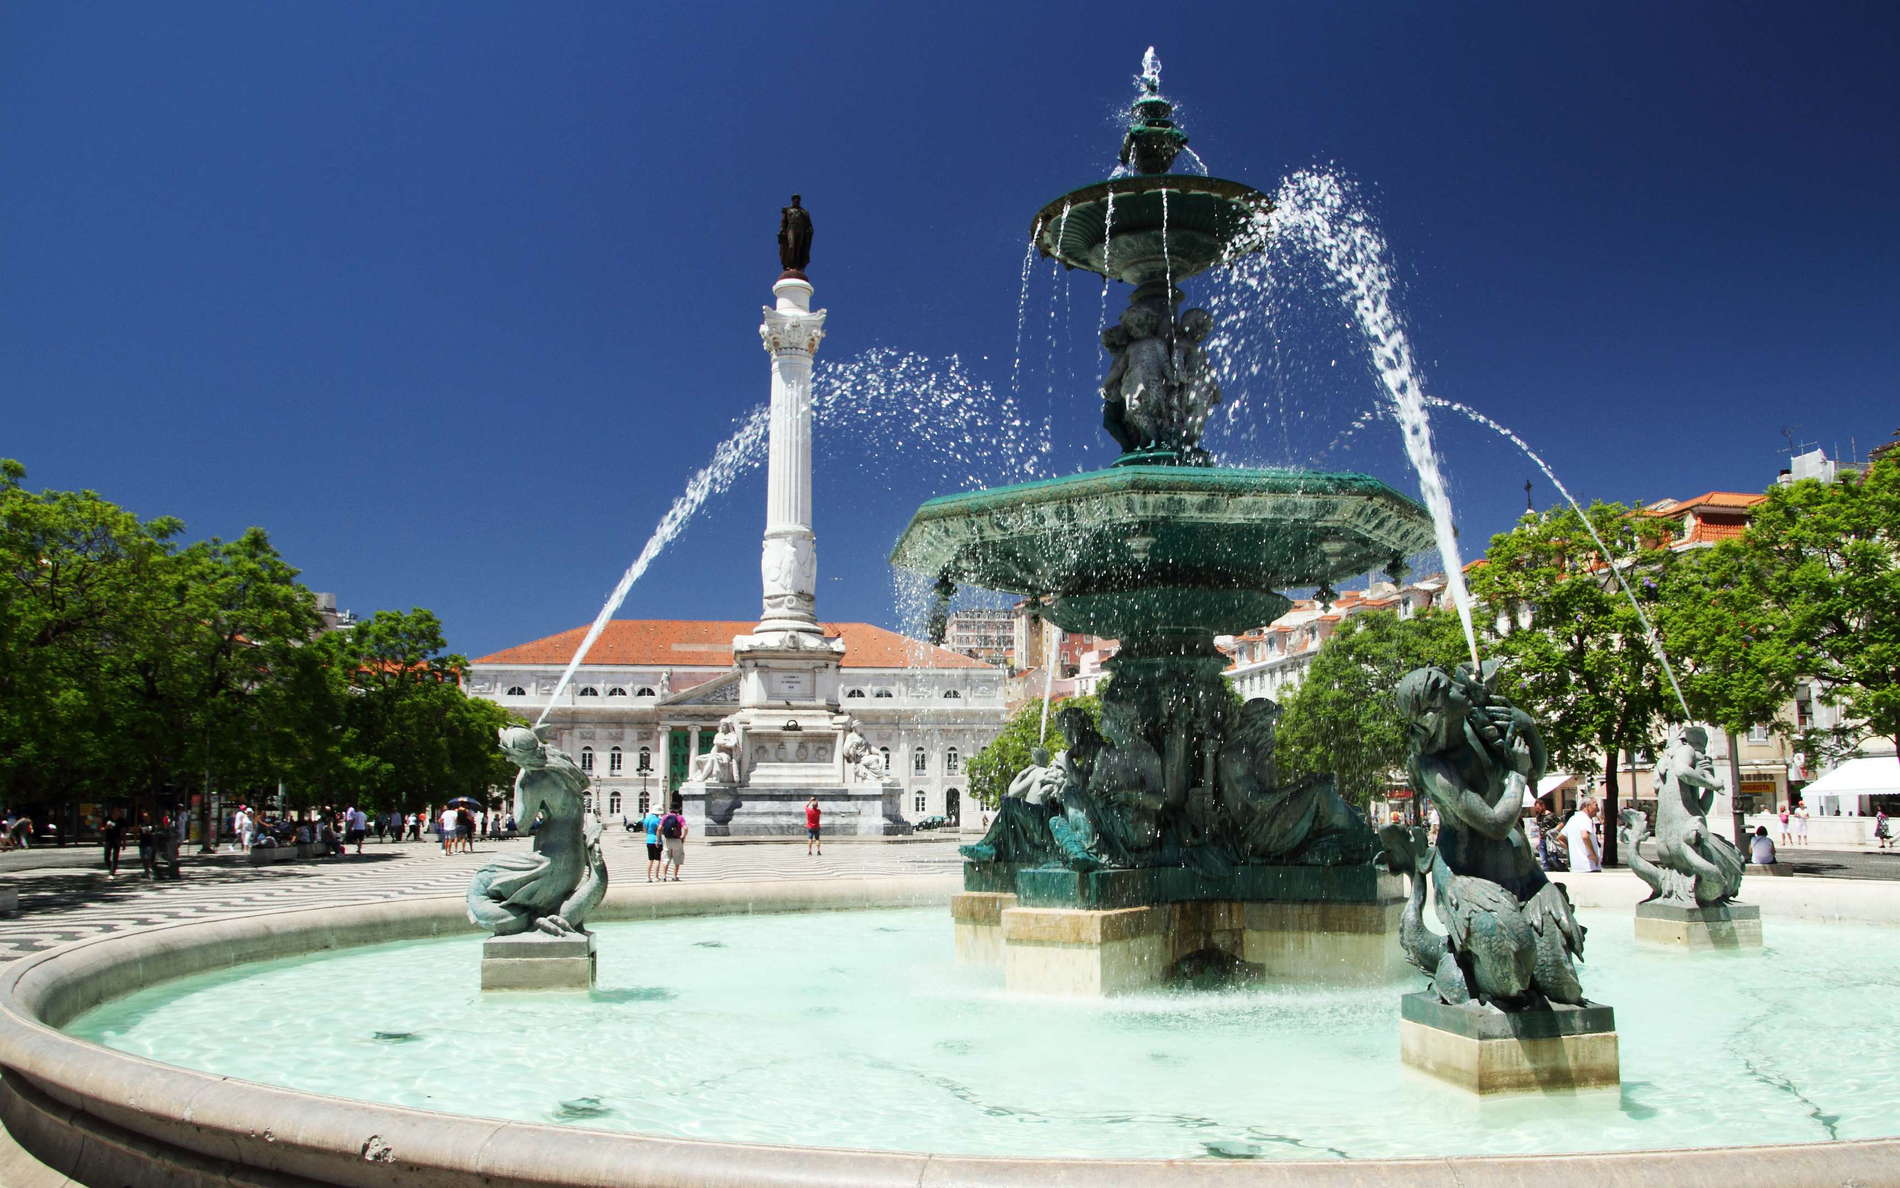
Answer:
(148, 847)
(415, 826)
(1801, 825)
(650, 824)
(355, 826)
(1787, 838)
(112, 839)
(1580, 838)
(814, 828)
(465, 830)
(673, 837)
(1881, 834)
(445, 831)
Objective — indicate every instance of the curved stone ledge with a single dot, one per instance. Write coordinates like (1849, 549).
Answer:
(108, 1118)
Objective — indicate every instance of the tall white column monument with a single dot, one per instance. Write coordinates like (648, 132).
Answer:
(789, 740)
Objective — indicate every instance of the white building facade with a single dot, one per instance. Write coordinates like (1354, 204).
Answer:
(652, 693)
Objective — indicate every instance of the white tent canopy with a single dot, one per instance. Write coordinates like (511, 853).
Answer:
(1847, 787)
(1554, 782)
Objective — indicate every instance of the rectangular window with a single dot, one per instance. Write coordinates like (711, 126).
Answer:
(1758, 734)
(920, 802)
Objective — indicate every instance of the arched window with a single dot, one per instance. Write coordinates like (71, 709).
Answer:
(589, 691)
(919, 762)
(613, 763)
(613, 803)
(644, 691)
(886, 752)
(953, 805)
(587, 758)
(517, 691)
(951, 695)
(881, 693)
(858, 693)
(646, 758)
(922, 801)
(952, 762)
(616, 691)
(646, 799)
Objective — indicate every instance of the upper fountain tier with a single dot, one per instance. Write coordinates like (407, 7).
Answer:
(1149, 224)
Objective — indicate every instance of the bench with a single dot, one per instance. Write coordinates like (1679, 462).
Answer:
(263, 855)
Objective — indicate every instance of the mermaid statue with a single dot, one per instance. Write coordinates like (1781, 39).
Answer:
(1693, 867)
(1511, 937)
(551, 888)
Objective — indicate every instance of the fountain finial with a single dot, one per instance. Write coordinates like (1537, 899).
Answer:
(1152, 140)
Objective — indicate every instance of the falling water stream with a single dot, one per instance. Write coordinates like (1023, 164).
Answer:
(904, 407)
(1603, 550)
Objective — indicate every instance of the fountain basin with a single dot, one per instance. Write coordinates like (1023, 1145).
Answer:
(1164, 227)
(1135, 549)
(121, 1118)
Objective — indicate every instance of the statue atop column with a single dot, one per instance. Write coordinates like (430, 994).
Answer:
(794, 239)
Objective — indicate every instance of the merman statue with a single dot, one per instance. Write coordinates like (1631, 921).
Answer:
(1511, 934)
(552, 887)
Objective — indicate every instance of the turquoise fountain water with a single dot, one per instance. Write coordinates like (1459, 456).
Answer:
(856, 1029)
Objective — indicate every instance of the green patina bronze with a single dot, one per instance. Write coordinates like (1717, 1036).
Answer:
(1178, 797)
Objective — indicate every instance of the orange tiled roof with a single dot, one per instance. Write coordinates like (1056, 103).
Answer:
(707, 643)
(1733, 500)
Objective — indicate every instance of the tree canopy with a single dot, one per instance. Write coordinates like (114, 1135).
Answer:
(1817, 580)
(135, 669)
(1579, 655)
(1342, 720)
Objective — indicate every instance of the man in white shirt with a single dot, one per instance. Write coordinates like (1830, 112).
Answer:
(445, 826)
(1580, 837)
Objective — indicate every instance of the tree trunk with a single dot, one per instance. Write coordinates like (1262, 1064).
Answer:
(1607, 814)
(1737, 825)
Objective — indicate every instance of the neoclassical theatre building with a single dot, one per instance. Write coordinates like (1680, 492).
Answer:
(652, 692)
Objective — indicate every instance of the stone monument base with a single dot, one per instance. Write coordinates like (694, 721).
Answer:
(1092, 952)
(858, 810)
(537, 961)
(1485, 1051)
(1724, 926)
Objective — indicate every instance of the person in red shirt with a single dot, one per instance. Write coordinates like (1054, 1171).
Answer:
(813, 828)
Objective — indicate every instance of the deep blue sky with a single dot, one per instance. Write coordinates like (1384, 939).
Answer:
(453, 298)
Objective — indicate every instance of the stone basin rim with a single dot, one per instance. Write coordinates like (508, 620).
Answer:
(102, 1116)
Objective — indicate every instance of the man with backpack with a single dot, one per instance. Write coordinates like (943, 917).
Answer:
(673, 836)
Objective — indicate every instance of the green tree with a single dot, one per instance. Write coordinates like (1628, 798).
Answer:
(991, 769)
(79, 578)
(409, 736)
(1735, 663)
(1820, 569)
(1579, 658)
(1342, 720)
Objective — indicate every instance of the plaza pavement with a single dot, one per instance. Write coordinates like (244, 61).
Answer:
(65, 894)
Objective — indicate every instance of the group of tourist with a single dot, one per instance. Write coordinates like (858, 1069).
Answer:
(157, 842)
(1798, 818)
(1576, 845)
(666, 842)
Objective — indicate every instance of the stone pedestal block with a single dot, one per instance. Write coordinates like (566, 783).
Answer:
(978, 920)
(9, 901)
(1084, 952)
(861, 810)
(1725, 926)
(537, 961)
(1333, 943)
(1103, 951)
(1484, 1051)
